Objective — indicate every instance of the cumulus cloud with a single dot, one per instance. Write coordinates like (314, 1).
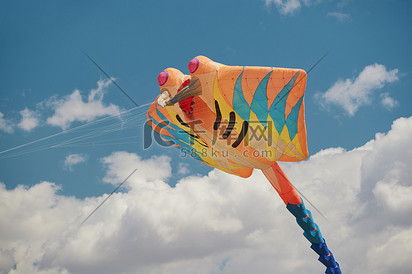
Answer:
(219, 223)
(72, 108)
(351, 94)
(29, 119)
(74, 159)
(183, 168)
(387, 101)
(288, 7)
(392, 195)
(154, 169)
(5, 125)
(341, 17)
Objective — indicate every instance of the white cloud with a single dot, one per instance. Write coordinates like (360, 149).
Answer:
(285, 6)
(288, 7)
(5, 125)
(390, 192)
(387, 101)
(220, 223)
(352, 94)
(74, 159)
(341, 17)
(72, 108)
(397, 243)
(183, 168)
(29, 119)
(154, 169)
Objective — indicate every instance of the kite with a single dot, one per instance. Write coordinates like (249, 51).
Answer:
(236, 119)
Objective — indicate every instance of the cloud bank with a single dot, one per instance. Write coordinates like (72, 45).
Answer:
(220, 223)
(352, 94)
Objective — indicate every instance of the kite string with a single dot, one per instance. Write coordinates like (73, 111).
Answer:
(303, 196)
(108, 76)
(80, 128)
(108, 196)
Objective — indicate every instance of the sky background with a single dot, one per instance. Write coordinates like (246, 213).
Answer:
(81, 137)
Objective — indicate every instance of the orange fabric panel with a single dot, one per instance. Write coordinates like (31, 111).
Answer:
(251, 78)
(244, 172)
(202, 113)
(302, 131)
(282, 185)
(297, 92)
(278, 79)
(227, 77)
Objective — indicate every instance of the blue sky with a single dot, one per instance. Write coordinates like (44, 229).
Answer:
(355, 101)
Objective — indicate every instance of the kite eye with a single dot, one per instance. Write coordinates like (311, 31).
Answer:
(162, 78)
(193, 65)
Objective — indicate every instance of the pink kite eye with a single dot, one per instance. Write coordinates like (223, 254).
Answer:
(162, 78)
(193, 65)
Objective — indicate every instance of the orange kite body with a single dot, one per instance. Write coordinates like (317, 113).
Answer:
(237, 118)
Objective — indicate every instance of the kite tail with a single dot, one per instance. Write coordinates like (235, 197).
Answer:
(295, 205)
(312, 233)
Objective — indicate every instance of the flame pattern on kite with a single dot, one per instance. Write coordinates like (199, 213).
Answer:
(239, 118)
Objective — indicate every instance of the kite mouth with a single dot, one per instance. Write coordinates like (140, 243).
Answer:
(186, 95)
(187, 104)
